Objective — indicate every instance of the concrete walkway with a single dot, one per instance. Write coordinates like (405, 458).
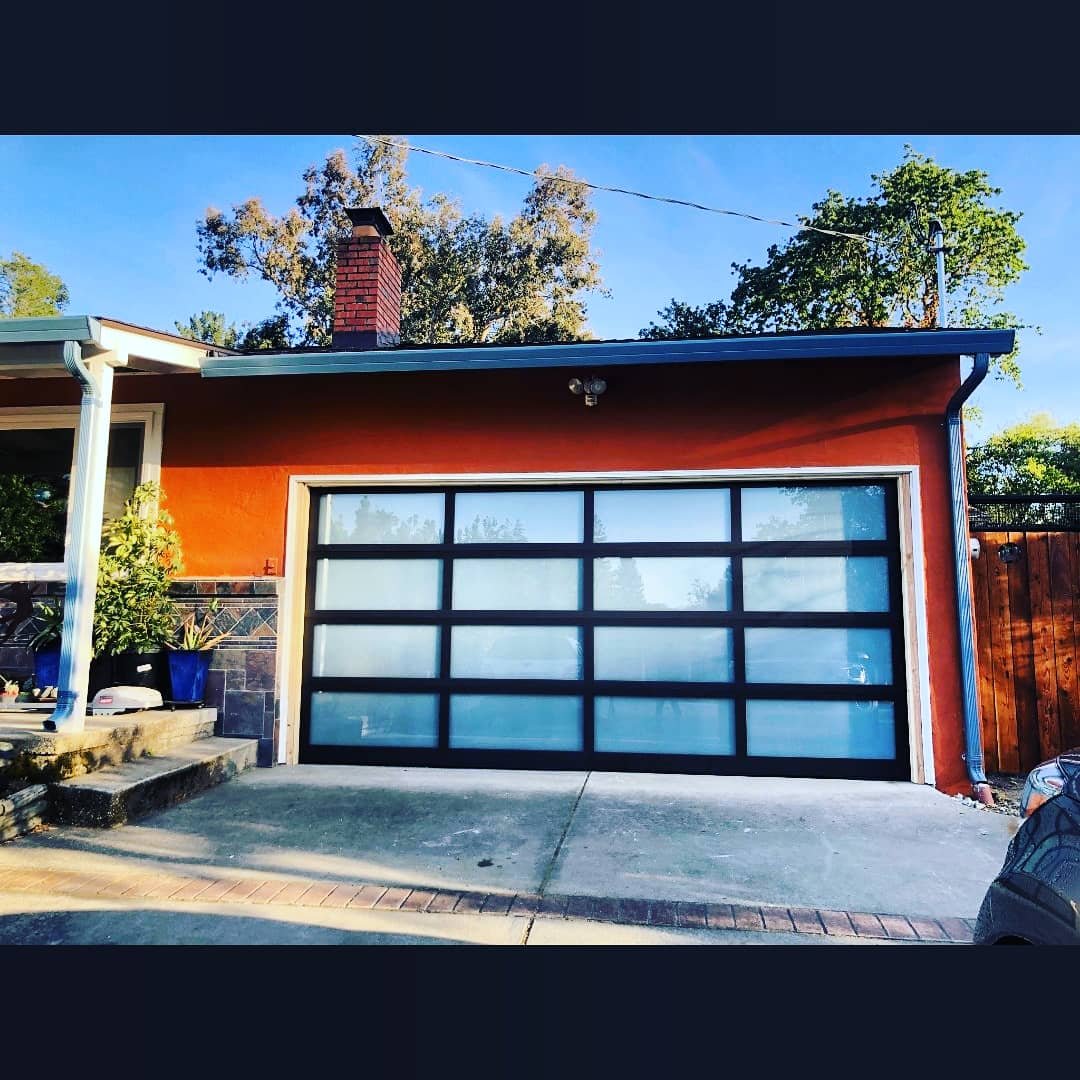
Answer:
(322, 854)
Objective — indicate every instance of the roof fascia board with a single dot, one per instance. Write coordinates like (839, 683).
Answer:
(802, 347)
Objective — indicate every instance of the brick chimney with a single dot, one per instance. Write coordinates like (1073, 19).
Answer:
(367, 296)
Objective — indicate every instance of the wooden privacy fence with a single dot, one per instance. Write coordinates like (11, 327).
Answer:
(1027, 598)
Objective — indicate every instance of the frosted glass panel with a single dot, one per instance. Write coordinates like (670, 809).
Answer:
(664, 654)
(840, 729)
(346, 719)
(392, 652)
(523, 584)
(515, 652)
(652, 584)
(378, 584)
(381, 519)
(827, 583)
(515, 722)
(814, 513)
(817, 655)
(664, 726)
(678, 514)
(521, 517)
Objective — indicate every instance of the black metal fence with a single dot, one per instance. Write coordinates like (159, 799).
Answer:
(998, 513)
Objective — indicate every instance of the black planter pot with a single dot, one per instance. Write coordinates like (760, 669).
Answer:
(140, 669)
(101, 675)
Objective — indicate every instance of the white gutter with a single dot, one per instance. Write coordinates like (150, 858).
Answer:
(83, 544)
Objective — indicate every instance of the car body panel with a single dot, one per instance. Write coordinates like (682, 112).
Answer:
(1035, 897)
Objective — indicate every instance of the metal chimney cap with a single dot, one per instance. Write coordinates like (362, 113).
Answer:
(369, 217)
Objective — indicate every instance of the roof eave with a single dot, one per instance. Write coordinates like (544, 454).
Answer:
(34, 347)
(84, 329)
(761, 347)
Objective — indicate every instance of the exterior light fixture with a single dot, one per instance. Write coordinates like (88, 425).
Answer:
(592, 387)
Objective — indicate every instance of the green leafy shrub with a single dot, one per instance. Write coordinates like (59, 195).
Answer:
(140, 554)
(49, 620)
(32, 519)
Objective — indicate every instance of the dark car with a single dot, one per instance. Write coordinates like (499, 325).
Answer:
(1035, 899)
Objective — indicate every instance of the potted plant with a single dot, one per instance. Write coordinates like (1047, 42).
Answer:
(45, 644)
(134, 616)
(190, 653)
(9, 690)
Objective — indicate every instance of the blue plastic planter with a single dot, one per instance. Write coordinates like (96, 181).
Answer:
(47, 665)
(187, 673)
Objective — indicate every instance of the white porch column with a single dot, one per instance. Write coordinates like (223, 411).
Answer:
(87, 495)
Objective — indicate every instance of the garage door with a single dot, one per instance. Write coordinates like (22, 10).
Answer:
(735, 628)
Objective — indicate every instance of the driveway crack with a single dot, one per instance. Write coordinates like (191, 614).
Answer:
(550, 869)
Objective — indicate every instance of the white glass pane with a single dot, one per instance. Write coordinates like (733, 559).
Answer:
(517, 584)
(519, 517)
(814, 513)
(840, 729)
(818, 655)
(391, 652)
(378, 585)
(655, 584)
(515, 652)
(122, 469)
(371, 518)
(348, 719)
(664, 726)
(515, 722)
(679, 514)
(825, 583)
(663, 653)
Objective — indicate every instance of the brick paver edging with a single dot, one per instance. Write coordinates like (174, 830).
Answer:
(251, 889)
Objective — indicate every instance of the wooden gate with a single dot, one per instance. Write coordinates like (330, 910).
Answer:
(1026, 584)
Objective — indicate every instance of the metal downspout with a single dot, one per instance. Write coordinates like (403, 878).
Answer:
(83, 542)
(973, 750)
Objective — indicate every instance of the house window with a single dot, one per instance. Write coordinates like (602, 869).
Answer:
(35, 468)
(37, 459)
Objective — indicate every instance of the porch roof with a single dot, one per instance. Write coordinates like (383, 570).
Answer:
(34, 348)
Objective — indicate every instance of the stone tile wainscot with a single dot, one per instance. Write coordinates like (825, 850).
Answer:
(242, 683)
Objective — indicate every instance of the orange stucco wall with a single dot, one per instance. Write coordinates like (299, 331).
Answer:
(231, 444)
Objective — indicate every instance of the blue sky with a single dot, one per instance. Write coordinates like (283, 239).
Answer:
(115, 218)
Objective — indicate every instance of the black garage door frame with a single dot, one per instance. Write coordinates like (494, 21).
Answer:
(738, 690)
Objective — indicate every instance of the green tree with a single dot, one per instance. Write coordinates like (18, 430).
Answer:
(1035, 457)
(464, 278)
(28, 290)
(270, 333)
(211, 328)
(819, 282)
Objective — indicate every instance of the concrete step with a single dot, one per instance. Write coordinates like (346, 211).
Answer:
(29, 754)
(119, 793)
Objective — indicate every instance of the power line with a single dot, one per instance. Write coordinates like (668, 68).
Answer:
(621, 191)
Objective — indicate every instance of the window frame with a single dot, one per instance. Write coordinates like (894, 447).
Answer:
(36, 417)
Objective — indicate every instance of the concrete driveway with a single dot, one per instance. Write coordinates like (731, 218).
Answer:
(355, 854)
